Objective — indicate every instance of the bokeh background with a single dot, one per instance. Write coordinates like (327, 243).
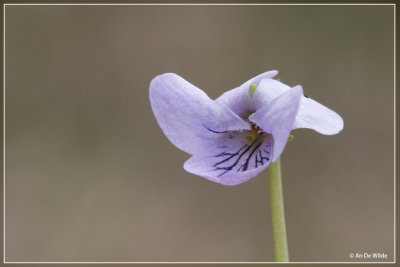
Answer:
(91, 177)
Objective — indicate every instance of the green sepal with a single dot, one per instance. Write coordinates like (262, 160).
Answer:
(252, 89)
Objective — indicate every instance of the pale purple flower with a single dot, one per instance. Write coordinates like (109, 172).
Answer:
(236, 136)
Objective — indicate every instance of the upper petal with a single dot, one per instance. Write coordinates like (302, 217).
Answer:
(187, 116)
(315, 116)
(278, 117)
(311, 114)
(238, 99)
(267, 90)
(231, 159)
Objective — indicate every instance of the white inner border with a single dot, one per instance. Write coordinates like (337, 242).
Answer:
(191, 4)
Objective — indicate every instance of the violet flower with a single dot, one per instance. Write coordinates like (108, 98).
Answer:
(233, 138)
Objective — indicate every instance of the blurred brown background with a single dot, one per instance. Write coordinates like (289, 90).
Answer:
(91, 177)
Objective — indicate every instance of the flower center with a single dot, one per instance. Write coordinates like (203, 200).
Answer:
(254, 133)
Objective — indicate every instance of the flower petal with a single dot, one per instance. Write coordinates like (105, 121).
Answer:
(238, 99)
(312, 114)
(315, 116)
(232, 160)
(278, 117)
(267, 90)
(187, 116)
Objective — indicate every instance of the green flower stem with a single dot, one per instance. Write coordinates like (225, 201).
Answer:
(277, 212)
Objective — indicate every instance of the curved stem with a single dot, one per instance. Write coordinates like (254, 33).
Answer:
(277, 212)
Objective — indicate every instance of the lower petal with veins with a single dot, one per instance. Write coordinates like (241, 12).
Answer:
(232, 159)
